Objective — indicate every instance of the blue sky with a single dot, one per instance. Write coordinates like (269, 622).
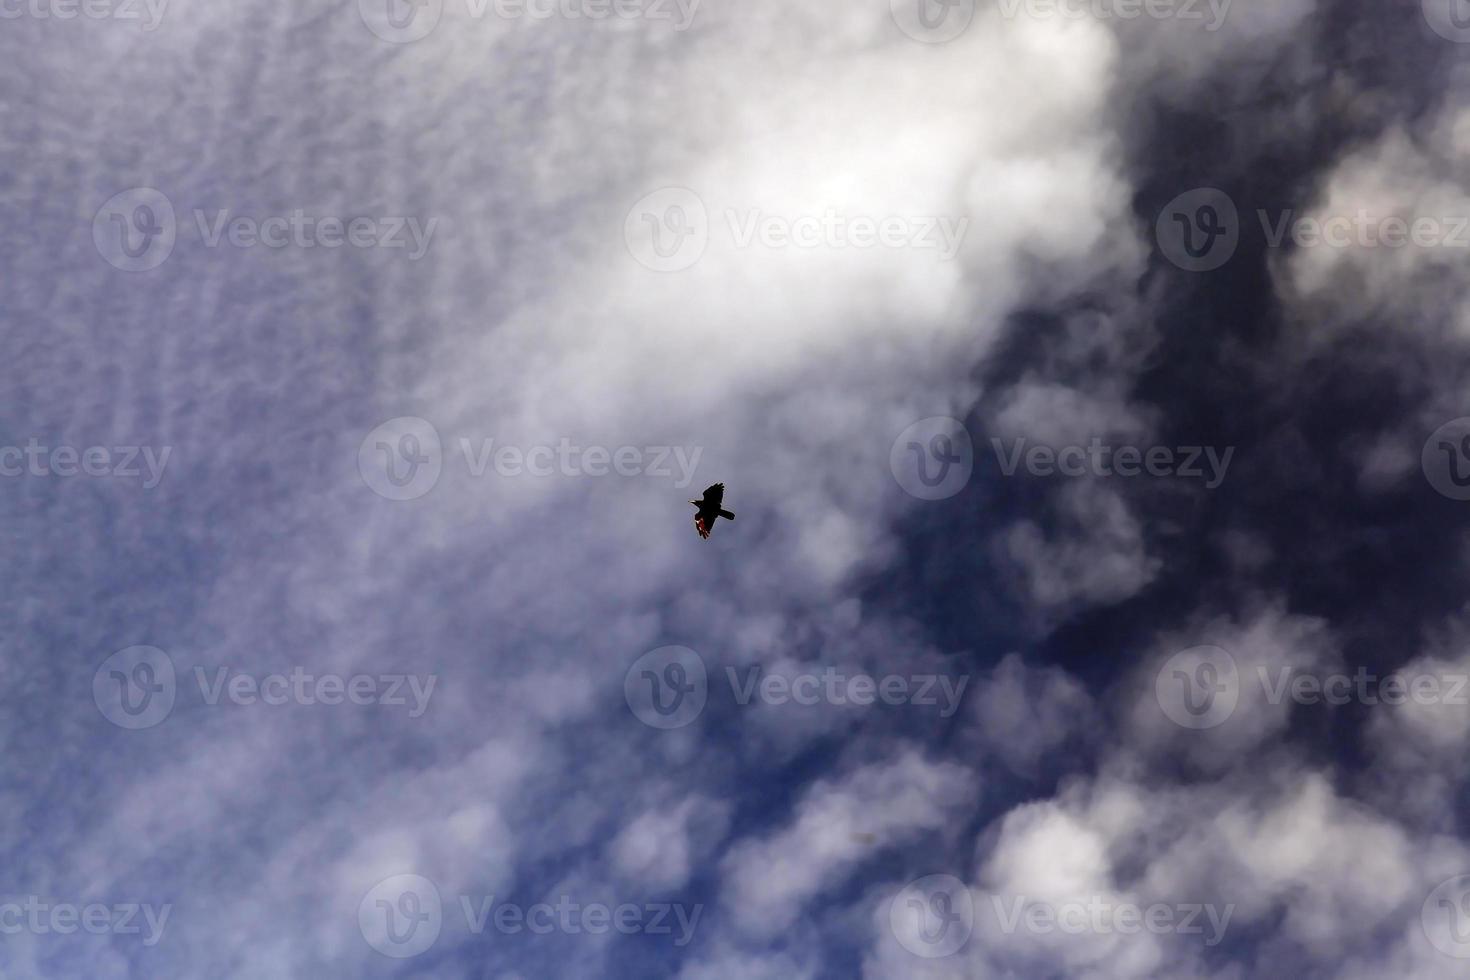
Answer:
(1088, 381)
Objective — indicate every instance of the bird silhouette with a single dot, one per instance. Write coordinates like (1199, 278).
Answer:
(710, 509)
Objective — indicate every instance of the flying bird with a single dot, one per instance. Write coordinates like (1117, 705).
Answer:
(710, 509)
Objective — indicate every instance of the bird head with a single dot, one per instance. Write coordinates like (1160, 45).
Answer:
(694, 502)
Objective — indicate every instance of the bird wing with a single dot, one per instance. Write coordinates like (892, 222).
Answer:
(715, 495)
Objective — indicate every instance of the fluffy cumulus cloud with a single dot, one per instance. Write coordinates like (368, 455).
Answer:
(835, 828)
(1391, 236)
(366, 353)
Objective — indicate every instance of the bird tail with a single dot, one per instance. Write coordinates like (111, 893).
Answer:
(727, 515)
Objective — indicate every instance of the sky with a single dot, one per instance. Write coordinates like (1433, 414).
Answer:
(1088, 379)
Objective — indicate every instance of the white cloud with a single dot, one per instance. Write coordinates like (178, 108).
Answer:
(1023, 714)
(837, 826)
(1099, 556)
